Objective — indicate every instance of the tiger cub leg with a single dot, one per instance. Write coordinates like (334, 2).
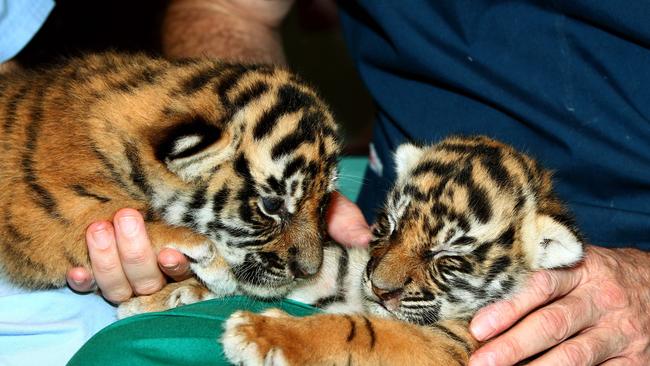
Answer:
(275, 338)
(173, 295)
(205, 262)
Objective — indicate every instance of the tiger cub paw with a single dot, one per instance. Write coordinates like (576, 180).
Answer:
(251, 339)
(171, 296)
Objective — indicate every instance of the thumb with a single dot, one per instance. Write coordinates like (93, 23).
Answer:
(345, 222)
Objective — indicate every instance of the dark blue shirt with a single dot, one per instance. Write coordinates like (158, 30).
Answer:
(566, 81)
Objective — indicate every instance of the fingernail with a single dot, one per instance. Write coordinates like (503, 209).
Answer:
(483, 359)
(128, 225)
(101, 238)
(483, 325)
(170, 266)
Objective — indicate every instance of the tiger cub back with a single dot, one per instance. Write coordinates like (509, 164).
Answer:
(229, 163)
(466, 223)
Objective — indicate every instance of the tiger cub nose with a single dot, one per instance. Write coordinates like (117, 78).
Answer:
(302, 270)
(386, 295)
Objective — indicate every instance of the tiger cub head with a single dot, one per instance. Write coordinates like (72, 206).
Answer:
(466, 222)
(244, 154)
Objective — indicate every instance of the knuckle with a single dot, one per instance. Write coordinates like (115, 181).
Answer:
(118, 295)
(553, 324)
(576, 354)
(135, 257)
(612, 296)
(512, 350)
(545, 284)
(148, 287)
(106, 267)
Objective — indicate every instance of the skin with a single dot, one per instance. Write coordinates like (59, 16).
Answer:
(594, 314)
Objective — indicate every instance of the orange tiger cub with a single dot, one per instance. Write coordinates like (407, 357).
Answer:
(468, 220)
(229, 163)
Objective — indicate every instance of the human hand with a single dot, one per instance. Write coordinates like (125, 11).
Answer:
(345, 222)
(123, 262)
(594, 314)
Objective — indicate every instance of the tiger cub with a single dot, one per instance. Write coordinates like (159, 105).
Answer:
(231, 164)
(468, 220)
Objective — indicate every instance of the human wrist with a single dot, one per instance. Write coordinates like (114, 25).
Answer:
(232, 30)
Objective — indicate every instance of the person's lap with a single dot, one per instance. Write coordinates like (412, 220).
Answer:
(47, 327)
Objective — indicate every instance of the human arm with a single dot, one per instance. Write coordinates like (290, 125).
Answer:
(596, 313)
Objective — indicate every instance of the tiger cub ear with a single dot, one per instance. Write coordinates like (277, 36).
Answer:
(406, 158)
(192, 149)
(553, 244)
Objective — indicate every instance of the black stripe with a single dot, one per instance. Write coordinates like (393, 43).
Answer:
(414, 192)
(199, 200)
(145, 76)
(328, 300)
(453, 336)
(478, 203)
(353, 328)
(496, 170)
(236, 232)
(71, 259)
(228, 81)
(115, 176)
(371, 332)
(219, 200)
(82, 191)
(306, 132)
(13, 231)
(209, 133)
(293, 166)
(464, 176)
(200, 79)
(12, 109)
(290, 99)
(251, 243)
(42, 197)
(507, 238)
(434, 167)
(481, 251)
(500, 265)
(137, 174)
(275, 185)
(251, 93)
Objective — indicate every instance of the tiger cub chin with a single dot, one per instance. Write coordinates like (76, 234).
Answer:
(231, 164)
(468, 220)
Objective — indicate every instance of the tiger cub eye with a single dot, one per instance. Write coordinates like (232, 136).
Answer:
(272, 205)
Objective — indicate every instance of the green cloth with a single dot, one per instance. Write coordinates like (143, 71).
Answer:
(187, 335)
(190, 335)
(351, 173)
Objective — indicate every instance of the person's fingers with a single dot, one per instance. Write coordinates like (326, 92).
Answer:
(345, 222)
(174, 264)
(589, 348)
(105, 261)
(542, 287)
(80, 279)
(540, 330)
(138, 259)
(617, 361)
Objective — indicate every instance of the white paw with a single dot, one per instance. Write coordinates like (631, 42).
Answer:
(130, 308)
(241, 350)
(186, 295)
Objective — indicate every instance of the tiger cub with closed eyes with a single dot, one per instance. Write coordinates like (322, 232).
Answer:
(231, 164)
(468, 220)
